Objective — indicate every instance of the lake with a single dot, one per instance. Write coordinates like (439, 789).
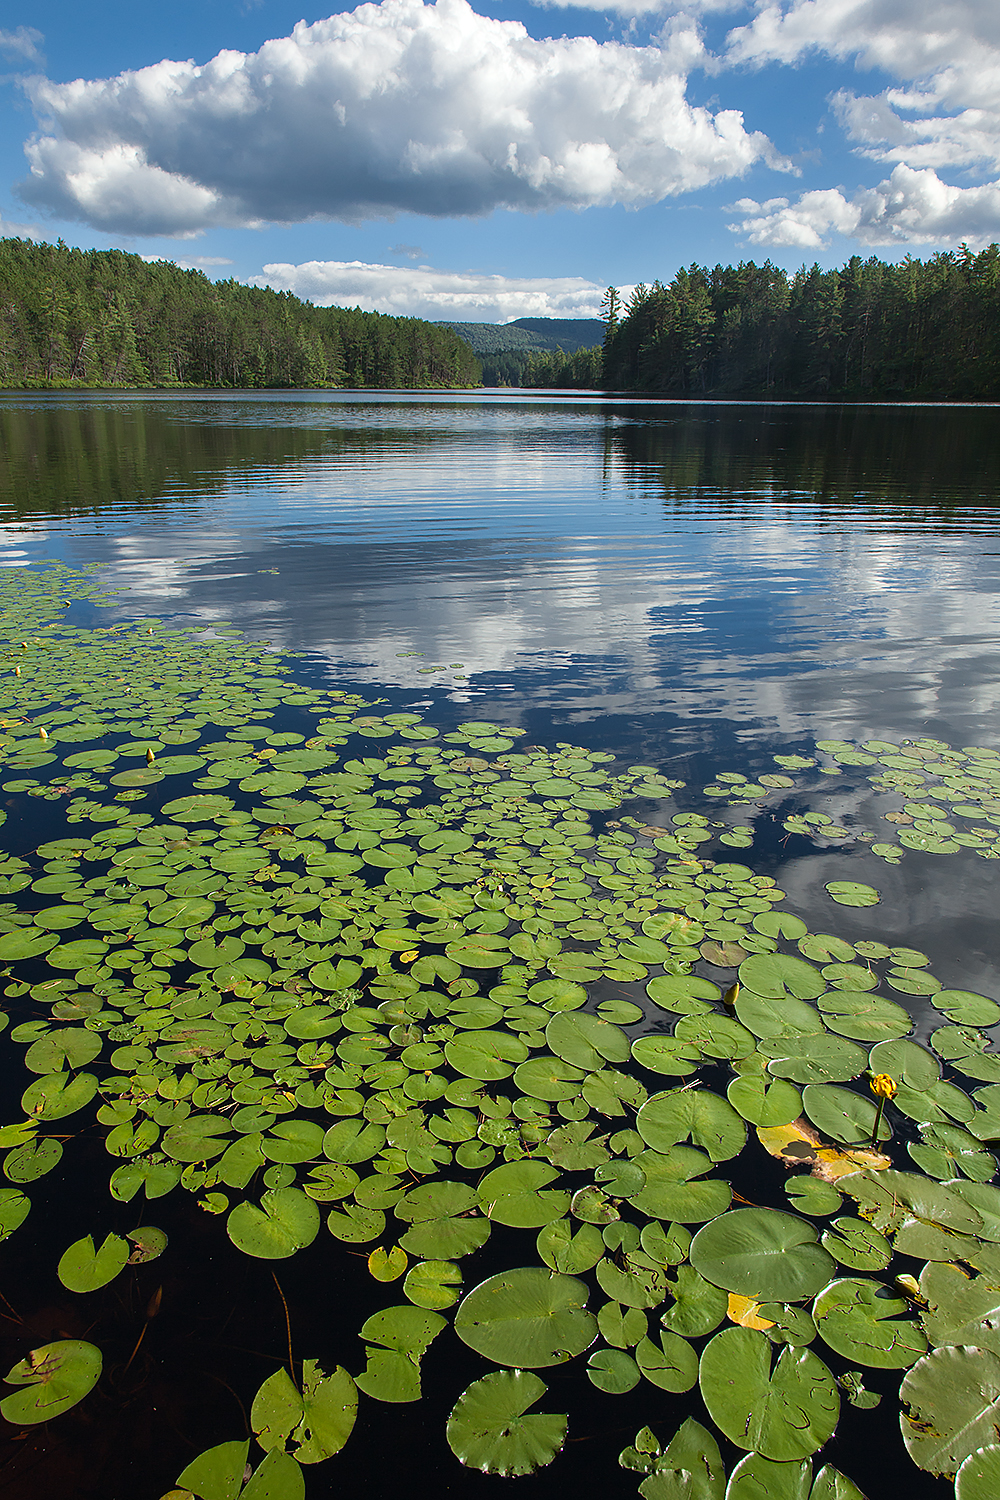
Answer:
(694, 588)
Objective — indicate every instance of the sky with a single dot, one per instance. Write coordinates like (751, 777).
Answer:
(503, 160)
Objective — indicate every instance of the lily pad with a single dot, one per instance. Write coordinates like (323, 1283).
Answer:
(842, 1114)
(515, 1194)
(755, 1477)
(527, 1318)
(84, 1269)
(316, 1421)
(853, 893)
(54, 1377)
(775, 975)
(433, 1284)
(761, 1253)
(488, 1428)
(785, 1413)
(951, 1400)
(216, 1474)
(286, 1221)
(692, 1114)
(859, 1320)
(14, 1209)
(979, 1476)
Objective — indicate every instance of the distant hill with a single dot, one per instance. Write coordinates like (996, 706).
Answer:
(567, 334)
(530, 335)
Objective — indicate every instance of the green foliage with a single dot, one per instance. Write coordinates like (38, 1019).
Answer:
(867, 329)
(104, 318)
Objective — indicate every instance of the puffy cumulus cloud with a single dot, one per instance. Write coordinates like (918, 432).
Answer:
(909, 207)
(421, 292)
(945, 114)
(906, 38)
(392, 107)
(947, 55)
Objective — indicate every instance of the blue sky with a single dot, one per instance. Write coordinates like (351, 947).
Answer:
(504, 159)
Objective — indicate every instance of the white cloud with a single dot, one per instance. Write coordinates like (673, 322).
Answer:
(910, 207)
(9, 230)
(24, 42)
(191, 262)
(945, 115)
(396, 107)
(637, 8)
(420, 292)
(906, 38)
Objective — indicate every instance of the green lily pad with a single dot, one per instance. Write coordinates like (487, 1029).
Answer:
(571, 1253)
(905, 1062)
(692, 1114)
(697, 1308)
(689, 1469)
(433, 1284)
(669, 1191)
(951, 1400)
(586, 1041)
(197, 1138)
(36, 1158)
(863, 1016)
(56, 1095)
(316, 1421)
(978, 1478)
(761, 1253)
(816, 1059)
(853, 893)
(527, 1318)
(54, 1377)
(858, 1320)
(488, 1428)
(762, 1102)
(842, 1114)
(183, 911)
(775, 975)
(857, 1244)
(963, 1007)
(548, 1078)
(216, 1474)
(84, 1269)
(286, 1221)
(961, 1309)
(486, 1055)
(515, 1194)
(14, 1209)
(443, 1226)
(756, 1476)
(83, 953)
(669, 1363)
(613, 1370)
(785, 1413)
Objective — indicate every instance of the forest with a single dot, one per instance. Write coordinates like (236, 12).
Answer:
(866, 330)
(96, 318)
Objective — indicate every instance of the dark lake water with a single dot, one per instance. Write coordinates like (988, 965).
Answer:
(693, 586)
(696, 586)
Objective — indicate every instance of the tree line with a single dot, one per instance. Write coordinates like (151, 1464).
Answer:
(79, 318)
(866, 330)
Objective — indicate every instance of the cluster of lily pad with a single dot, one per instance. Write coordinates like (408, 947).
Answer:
(941, 800)
(396, 986)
